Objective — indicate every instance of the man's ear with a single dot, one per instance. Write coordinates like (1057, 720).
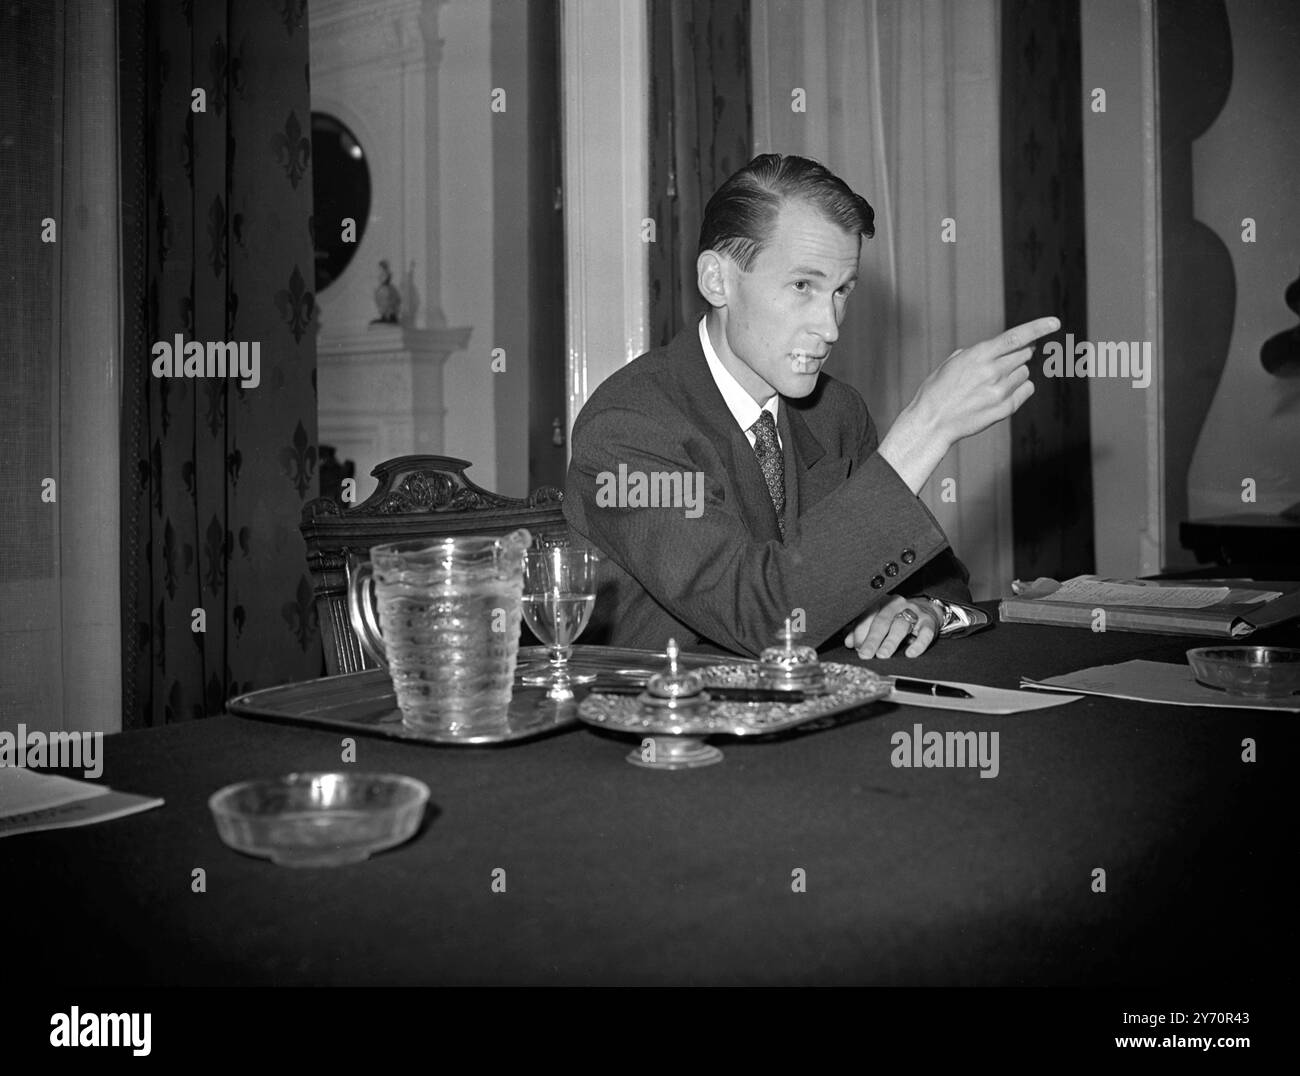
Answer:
(711, 277)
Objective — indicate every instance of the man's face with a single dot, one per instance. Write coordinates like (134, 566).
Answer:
(782, 315)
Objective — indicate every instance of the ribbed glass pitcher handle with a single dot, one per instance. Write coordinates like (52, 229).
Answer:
(361, 611)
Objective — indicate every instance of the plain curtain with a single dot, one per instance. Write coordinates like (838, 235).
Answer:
(60, 664)
(900, 98)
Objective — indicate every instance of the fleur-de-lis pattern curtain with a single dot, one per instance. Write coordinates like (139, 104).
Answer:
(700, 120)
(216, 122)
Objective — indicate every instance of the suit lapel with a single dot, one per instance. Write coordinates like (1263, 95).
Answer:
(814, 472)
(716, 421)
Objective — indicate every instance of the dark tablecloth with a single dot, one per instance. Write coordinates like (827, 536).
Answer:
(616, 874)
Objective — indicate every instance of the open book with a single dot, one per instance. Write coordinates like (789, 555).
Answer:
(1222, 609)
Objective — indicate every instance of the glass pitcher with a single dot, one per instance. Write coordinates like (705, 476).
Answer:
(449, 611)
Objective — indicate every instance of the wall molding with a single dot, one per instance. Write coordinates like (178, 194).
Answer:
(605, 68)
(1121, 164)
(90, 389)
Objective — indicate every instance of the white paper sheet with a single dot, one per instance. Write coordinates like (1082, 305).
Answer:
(1155, 681)
(23, 790)
(32, 801)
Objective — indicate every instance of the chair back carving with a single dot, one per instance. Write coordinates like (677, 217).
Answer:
(417, 497)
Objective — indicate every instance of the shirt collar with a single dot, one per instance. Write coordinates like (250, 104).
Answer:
(740, 403)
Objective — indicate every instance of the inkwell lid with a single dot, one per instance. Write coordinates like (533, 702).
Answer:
(675, 688)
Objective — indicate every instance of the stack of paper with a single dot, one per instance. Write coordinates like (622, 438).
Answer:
(1160, 606)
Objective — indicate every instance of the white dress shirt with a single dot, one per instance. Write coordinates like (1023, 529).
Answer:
(742, 405)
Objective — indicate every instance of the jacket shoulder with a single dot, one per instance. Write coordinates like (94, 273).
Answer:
(647, 377)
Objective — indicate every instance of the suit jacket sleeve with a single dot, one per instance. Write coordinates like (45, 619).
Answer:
(944, 576)
(708, 571)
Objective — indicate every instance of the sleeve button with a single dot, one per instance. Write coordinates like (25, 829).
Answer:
(877, 581)
(908, 556)
(891, 569)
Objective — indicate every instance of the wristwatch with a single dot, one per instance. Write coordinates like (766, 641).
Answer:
(957, 620)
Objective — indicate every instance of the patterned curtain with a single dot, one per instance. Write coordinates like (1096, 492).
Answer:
(700, 119)
(1043, 267)
(216, 125)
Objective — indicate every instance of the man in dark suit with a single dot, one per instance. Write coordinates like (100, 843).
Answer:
(732, 485)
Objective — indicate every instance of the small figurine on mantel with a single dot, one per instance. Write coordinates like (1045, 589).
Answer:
(387, 298)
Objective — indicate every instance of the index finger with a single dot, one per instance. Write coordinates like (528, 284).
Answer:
(1024, 335)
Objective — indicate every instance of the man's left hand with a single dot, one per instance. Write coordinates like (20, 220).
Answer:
(882, 632)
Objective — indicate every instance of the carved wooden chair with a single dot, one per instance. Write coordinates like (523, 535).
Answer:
(417, 497)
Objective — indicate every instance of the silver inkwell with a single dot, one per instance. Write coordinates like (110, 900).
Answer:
(790, 667)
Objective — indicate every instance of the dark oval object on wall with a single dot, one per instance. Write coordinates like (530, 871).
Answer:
(341, 190)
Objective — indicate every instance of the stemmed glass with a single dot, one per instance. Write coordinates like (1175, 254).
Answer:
(559, 593)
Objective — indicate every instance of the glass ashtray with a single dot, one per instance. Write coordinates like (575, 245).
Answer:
(319, 819)
(1260, 672)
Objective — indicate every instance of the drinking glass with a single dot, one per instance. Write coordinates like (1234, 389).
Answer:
(559, 593)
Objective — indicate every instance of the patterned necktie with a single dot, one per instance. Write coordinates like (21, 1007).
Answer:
(772, 461)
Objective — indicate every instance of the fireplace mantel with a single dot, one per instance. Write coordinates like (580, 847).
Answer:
(380, 392)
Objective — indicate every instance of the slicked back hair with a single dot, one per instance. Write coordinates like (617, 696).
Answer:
(741, 215)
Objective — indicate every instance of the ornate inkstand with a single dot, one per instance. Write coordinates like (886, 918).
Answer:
(680, 708)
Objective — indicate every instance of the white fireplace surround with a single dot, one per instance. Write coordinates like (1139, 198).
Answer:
(380, 387)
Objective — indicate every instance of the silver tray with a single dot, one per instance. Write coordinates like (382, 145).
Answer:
(364, 702)
(676, 741)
